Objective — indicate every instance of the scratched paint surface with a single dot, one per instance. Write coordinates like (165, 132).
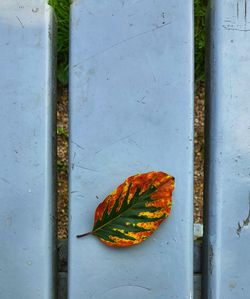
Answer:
(133, 211)
(227, 188)
(121, 133)
(237, 18)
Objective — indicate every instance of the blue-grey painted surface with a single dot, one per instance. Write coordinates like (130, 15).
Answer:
(228, 171)
(26, 173)
(63, 269)
(131, 111)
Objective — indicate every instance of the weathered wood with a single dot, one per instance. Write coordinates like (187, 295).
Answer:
(131, 111)
(226, 268)
(27, 176)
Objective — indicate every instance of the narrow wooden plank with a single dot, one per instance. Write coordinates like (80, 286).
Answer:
(27, 113)
(227, 255)
(131, 111)
(63, 269)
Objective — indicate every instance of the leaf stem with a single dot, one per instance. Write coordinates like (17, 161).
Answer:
(84, 235)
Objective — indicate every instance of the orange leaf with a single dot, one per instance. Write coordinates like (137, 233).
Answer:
(133, 211)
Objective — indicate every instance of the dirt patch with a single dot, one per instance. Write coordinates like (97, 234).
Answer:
(199, 104)
(62, 162)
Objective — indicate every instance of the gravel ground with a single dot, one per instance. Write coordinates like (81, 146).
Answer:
(62, 160)
(199, 107)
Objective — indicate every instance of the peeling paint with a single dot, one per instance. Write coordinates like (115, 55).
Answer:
(245, 222)
(232, 28)
(239, 20)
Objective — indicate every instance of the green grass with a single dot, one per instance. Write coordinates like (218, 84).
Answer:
(61, 8)
(199, 15)
(62, 132)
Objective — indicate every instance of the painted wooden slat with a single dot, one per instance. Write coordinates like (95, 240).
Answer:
(63, 269)
(27, 126)
(131, 111)
(227, 255)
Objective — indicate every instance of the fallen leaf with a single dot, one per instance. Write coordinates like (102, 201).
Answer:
(133, 211)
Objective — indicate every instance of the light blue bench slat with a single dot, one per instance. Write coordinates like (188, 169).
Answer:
(131, 110)
(63, 269)
(26, 175)
(227, 257)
